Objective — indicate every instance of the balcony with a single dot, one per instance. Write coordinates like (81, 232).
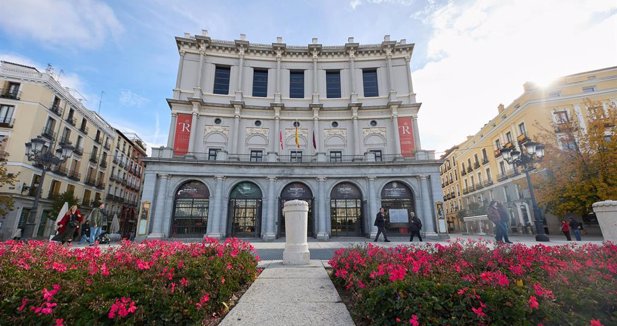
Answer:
(74, 175)
(49, 134)
(100, 185)
(7, 122)
(497, 153)
(56, 109)
(61, 170)
(78, 151)
(469, 169)
(522, 138)
(91, 181)
(463, 172)
(476, 165)
(98, 140)
(65, 140)
(93, 158)
(84, 129)
(10, 93)
(485, 161)
(71, 121)
(107, 146)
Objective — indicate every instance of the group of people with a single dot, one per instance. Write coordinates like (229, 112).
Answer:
(415, 225)
(70, 226)
(573, 225)
(497, 214)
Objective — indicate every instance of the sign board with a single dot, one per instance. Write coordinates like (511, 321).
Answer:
(405, 132)
(183, 133)
(398, 215)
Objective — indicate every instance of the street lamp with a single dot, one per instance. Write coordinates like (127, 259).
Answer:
(533, 152)
(41, 153)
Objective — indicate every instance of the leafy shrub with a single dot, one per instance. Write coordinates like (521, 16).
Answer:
(472, 283)
(153, 283)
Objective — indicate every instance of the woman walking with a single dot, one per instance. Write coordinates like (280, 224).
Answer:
(69, 223)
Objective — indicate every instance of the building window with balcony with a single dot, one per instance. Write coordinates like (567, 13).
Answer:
(12, 91)
(84, 126)
(476, 161)
(296, 84)
(260, 82)
(54, 189)
(378, 155)
(257, 156)
(66, 136)
(212, 153)
(333, 83)
(497, 144)
(489, 180)
(561, 117)
(336, 156)
(589, 89)
(48, 132)
(369, 79)
(221, 80)
(509, 137)
(484, 156)
(6, 115)
(502, 168)
(521, 129)
(295, 156)
(94, 155)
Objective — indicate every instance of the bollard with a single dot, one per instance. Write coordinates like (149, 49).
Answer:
(296, 219)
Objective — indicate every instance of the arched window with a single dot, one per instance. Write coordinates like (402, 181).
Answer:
(245, 210)
(346, 210)
(190, 215)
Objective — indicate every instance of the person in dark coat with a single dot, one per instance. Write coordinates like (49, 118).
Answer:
(68, 225)
(380, 223)
(415, 226)
(504, 221)
(499, 217)
(576, 227)
(565, 228)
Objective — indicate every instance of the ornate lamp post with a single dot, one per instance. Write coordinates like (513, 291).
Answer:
(41, 153)
(533, 152)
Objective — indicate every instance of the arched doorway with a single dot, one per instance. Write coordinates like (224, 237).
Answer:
(244, 211)
(190, 214)
(299, 191)
(398, 201)
(346, 210)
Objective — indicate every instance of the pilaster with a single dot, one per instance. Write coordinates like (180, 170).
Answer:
(322, 232)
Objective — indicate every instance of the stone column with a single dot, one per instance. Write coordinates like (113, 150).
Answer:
(352, 75)
(277, 93)
(239, 91)
(172, 130)
(193, 129)
(277, 130)
(315, 98)
(412, 95)
(270, 220)
(216, 231)
(391, 91)
(197, 88)
(416, 133)
(356, 131)
(180, 67)
(322, 232)
(397, 138)
(427, 207)
(606, 212)
(159, 213)
(372, 206)
(296, 246)
(235, 133)
(316, 129)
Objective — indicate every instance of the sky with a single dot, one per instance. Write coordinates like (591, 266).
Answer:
(469, 55)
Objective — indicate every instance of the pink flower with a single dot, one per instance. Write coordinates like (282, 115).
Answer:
(104, 270)
(119, 308)
(533, 303)
(397, 273)
(414, 320)
(58, 267)
(205, 298)
(24, 302)
(478, 312)
(184, 282)
(59, 322)
(595, 322)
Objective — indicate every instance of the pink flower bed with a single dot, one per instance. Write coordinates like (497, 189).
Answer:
(154, 283)
(472, 283)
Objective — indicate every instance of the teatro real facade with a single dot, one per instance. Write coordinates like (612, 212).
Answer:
(255, 125)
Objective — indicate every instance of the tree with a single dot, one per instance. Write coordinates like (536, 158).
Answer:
(581, 167)
(6, 201)
(58, 202)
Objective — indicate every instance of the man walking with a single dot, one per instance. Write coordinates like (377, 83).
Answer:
(415, 226)
(97, 220)
(380, 223)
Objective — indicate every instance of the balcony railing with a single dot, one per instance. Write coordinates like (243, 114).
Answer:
(107, 146)
(476, 165)
(93, 158)
(49, 134)
(7, 122)
(100, 185)
(10, 93)
(91, 181)
(103, 164)
(74, 175)
(61, 170)
(79, 151)
(71, 121)
(98, 140)
(56, 109)
(84, 129)
(485, 161)
(497, 152)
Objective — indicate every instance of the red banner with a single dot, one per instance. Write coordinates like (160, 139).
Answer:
(183, 134)
(405, 132)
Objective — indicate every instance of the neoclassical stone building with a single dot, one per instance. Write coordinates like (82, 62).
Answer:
(254, 125)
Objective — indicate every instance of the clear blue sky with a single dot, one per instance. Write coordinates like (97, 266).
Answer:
(469, 55)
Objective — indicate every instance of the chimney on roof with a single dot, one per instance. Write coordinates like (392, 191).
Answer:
(350, 39)
(279, 39)
(314, 40)
(386, 38)
(243, 37)
(204, 32)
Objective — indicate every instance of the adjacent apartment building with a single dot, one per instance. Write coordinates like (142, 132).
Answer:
(254, 125)
(34, 105)
(475, 171)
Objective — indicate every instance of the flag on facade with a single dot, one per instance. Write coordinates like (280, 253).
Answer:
(281, 139)
(314, 141)
(297, 138)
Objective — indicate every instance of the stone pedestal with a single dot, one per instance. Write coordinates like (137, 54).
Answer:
(606, 212)
(296, 246)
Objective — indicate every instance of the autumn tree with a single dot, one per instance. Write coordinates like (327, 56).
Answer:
(6, 201)
(581, 167)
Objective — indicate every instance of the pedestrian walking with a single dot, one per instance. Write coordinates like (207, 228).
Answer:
(496, 215)
(69, 223)
(565, 228)
(415, 226)
(97, 220)
(576, 227)
(380, 223)
(504, 222)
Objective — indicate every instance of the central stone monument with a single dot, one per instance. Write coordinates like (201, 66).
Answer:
(296, 219)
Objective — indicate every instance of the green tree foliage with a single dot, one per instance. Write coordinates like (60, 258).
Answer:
(584, 170)
(59, 200)
(6, 201)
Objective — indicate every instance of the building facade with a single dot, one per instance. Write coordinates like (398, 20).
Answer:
(34, 104)
(255, 125)
(474, 172)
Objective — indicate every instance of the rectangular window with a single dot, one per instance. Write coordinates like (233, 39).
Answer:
(497, 144)
(369, 78)
(554, 94)
(66, 136)
(378, 155)
(561, 117)
(54, 189)
(212, 152)
(336, 156)
(86, 201)
(589, 89)
(488, 175)
(12, 91)
(484, 156)
(521, 128)
(260, 82)
(502, 167)
(257, 156)
(333, 84)
(509, 137)
(48, 132)
(221, 80)
(296, 84)
(295, 156)
(6, 115)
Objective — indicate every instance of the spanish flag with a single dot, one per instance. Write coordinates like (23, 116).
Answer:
(297, 138)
